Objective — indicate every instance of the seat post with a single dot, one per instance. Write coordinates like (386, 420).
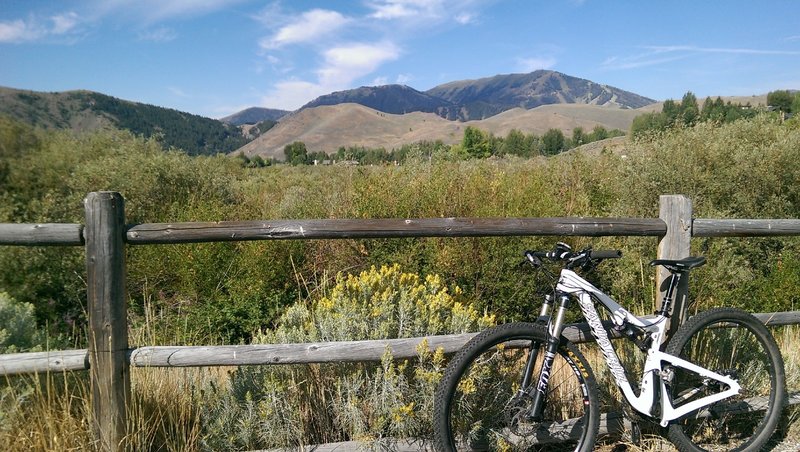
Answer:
(666, 306)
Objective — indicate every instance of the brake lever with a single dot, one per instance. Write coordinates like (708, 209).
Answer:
(532, 259)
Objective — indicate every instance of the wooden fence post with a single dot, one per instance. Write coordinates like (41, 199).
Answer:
(676, 211)
(108, 326)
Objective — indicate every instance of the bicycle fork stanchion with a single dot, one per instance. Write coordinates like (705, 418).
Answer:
(554, 331)
(544, 317)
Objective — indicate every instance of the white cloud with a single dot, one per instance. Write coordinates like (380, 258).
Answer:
(402, 9)
(34, 29)
(465, 18)
(308, 27)
(403, 79)
(534, 64)
(64, 23)
(178, 92)
(735, 50)
(342, 66)
(161, 34)
(380, 81)
(17, 31)
(657, 55)
(417, 13)
(346, 63)
(152, 11)
(292, 94)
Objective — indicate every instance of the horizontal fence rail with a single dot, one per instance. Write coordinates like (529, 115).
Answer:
(744, 228)
(225, 231)
(65, 234)
(44, 234)
(307, 353)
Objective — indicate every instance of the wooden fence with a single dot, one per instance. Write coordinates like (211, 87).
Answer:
(105, 235)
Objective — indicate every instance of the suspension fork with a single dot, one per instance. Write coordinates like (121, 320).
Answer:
(555, 328)
(544, 318)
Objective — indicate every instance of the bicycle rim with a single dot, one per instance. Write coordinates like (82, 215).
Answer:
(483, 409)
(734, 343)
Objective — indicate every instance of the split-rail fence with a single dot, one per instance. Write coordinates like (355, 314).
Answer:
(105, 236)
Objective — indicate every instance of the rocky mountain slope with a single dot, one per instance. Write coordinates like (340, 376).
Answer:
(486, 97)
(468, 100)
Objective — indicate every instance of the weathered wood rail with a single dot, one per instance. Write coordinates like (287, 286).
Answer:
(306, 353)
(105, 236)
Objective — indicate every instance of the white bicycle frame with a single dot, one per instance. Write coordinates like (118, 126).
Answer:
(569, 282)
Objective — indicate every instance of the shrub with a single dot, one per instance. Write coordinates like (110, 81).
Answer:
(280, 406)
(18, 331)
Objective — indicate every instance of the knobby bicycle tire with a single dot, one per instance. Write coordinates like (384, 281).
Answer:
(477, 405)
(728, 341)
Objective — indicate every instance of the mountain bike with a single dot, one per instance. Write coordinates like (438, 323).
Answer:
(717, 384)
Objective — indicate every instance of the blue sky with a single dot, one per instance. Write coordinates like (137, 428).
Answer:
(215, 57)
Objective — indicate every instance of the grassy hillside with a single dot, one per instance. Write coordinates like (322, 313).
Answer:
(89, 111)
(328, 128)
(265, 291)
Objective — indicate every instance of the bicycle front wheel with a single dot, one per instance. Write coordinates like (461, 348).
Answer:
(734, 343)
(480, 405)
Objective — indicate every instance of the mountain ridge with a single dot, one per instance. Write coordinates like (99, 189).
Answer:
(474, 99)
(83, 110)
(254, 115)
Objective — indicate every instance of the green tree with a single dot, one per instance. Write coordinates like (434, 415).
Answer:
(476, 143)
(671, 110)
(796, 104)
(690, 111)
(579, 137)
(553, 142)
(599, 133)
(296, 153)
(515, 143)
(780, 100)
(649, 122)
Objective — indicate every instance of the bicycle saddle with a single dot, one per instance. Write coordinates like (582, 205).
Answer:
(680, 265)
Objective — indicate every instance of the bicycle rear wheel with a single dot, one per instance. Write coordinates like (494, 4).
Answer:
(479, 405)
(730, 342)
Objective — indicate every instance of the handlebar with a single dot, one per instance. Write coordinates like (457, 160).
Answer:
(585, 258)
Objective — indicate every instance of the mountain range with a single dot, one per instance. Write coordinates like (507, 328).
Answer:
(377, 116)
(468, 100)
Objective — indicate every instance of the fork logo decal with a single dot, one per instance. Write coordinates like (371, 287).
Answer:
(547, 366)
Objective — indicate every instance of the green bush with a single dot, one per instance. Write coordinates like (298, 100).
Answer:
(18, 331)
(278, 406)
(225, 291)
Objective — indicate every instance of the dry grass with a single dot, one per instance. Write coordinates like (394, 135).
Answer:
(51, 412)
(327, 128)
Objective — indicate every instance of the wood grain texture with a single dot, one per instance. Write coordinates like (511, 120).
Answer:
(41, 234)
(108, 313)
(319, 352)
(676, 211)
(225, 231)
(42, 362)
(745, 228)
